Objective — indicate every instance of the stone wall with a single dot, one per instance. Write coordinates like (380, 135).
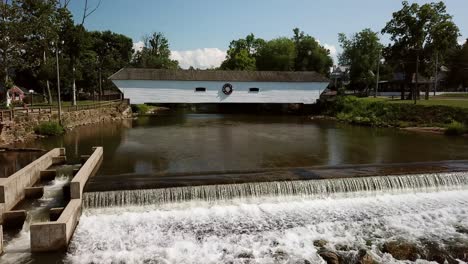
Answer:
(22, 128)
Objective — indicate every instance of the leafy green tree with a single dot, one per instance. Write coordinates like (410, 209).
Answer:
(155, 53)
(242, 53)
(419, 33)
(11, 45)
(362, 53)
(277, 55)
(42, 24)
(310, 55)
(459, 66)
(110, 52)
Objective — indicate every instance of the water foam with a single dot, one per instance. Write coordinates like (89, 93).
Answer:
(265, 230)
(316, 188)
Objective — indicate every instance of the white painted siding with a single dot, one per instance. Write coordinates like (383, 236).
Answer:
(141, 91)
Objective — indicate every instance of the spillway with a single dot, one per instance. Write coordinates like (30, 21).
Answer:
(325, 187)
(276, 222)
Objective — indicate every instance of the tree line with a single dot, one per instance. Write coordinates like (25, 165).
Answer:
(301, 52)
(35, 35)
(423, 38)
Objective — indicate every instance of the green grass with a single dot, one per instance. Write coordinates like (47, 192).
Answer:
(431, 102)
(49, 129)
(140, 108)
(397, 113)
(455, 129)
(461, 95)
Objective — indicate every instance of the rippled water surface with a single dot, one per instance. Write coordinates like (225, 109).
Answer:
(267, 230)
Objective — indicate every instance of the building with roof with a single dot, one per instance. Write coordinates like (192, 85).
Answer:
(209, 86)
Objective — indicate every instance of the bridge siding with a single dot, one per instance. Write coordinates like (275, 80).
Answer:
(149, 91)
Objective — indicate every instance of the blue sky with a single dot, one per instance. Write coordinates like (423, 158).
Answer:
(199, 31)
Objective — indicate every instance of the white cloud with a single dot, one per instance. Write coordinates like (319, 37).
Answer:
(333, 51)
(137, 46)
(461, 40)
(199, 58)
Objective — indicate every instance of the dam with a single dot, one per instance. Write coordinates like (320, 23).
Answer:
(220, 188)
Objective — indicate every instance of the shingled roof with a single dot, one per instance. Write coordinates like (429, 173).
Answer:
(213, 75)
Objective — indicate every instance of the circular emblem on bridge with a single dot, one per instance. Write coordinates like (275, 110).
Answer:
(227, 89)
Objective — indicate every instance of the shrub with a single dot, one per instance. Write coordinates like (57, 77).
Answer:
(49, 129)
(140, 108)
(455, 129)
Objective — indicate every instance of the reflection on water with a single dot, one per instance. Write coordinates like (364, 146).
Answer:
(187, 143)
(11, 162)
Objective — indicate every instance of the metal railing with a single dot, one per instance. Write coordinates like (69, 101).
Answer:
(9, 115)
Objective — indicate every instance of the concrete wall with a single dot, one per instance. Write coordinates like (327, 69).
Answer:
(79, 181)
(140, 91)
(55, 235)
(12, 189)
(22, 128)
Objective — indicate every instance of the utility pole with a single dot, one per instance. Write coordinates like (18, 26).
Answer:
(74, 88)
(378, 74)
(58, 85)
(436, 73)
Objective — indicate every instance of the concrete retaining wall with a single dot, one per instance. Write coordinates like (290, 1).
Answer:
(55, 235)
(87, 170)
(12, 189)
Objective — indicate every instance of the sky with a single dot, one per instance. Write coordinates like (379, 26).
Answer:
(199, 31)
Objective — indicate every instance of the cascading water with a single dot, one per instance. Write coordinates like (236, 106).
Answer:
(280, 222)
(326, 187)
(17, 246)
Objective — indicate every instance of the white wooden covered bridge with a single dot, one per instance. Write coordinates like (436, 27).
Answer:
(210, 86)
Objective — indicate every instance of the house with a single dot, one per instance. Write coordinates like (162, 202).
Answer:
(210, 86)
(17, 94)
(340, 75)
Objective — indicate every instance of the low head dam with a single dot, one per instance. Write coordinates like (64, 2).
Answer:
(220, 87)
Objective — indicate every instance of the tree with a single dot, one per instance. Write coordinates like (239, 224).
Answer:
(11, 45)
(419, 34)
(110, 52)
(155, 53)
(459, 66)
(276, 55)
(310, 55)
(242, 53)
(362, 53)
(42, 23)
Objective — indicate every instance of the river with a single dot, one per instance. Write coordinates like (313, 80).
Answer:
(135, 151)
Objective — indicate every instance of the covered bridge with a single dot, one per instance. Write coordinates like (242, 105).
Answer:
(211, 86)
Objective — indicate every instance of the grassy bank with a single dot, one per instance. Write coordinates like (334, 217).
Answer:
(452, 114)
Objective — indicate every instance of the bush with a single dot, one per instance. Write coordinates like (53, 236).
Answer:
(455, 129)
(140, 109)
(49, 129)
(354, 110)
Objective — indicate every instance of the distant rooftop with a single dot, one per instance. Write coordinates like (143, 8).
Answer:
(214, 75)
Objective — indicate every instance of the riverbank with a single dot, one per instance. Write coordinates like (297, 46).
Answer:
(23, 128)
(434, 116)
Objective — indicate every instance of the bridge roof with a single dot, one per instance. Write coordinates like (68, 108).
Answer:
(214, 75)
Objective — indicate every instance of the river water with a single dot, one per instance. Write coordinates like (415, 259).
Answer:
(260, 229)
(190, 143)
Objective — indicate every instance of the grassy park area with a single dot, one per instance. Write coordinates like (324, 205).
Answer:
(386, 112)
(458, 100)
